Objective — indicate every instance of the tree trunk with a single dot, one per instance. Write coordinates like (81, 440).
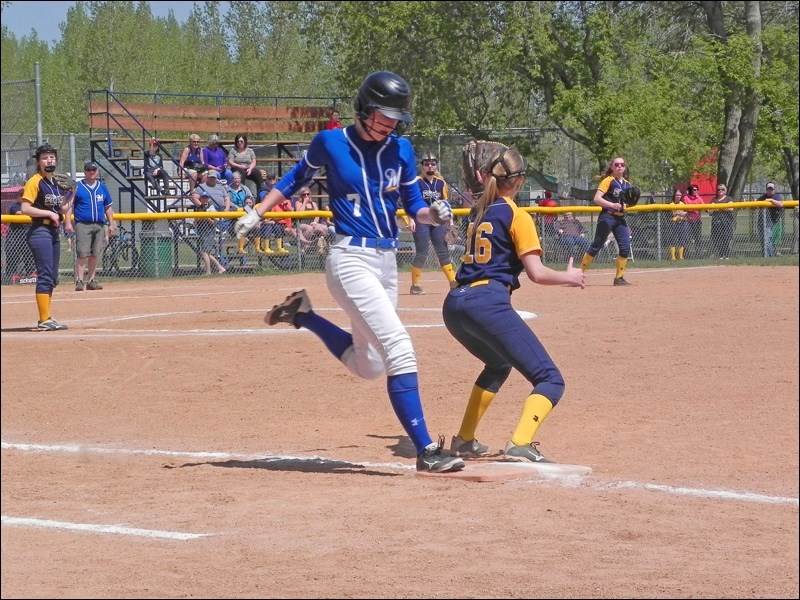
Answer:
(742, 104)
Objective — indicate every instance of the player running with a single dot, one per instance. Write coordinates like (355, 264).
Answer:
(502, 242)
(370, 171)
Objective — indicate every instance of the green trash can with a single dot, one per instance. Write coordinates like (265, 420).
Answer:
(156, 254)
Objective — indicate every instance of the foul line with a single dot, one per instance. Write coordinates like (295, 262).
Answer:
(113, 529)
(567, 481)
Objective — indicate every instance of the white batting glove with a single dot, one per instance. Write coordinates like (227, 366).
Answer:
(440, 212)
(246, 223)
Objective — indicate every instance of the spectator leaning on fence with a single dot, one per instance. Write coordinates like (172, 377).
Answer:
(773, 232)
(92, 208)
(678, 229)
(723, 223)
(694, 219)
(208, 197)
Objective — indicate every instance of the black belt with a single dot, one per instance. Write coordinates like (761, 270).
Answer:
(379, 243)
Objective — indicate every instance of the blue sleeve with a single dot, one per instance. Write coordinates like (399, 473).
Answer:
(410, 194)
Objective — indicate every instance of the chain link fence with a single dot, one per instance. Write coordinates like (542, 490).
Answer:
(169, 247)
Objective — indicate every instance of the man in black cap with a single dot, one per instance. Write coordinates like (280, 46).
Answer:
(93, 209)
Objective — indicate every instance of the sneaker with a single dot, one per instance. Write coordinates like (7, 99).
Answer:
(459, 447)
(620, 281)
(527, 453)
(79, 286)
(435, 460)
(288, 309)
(416, 290)
(50, 325)
(93, 285)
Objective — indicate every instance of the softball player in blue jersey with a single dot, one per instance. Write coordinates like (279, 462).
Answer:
(45, 202)
(502, 241)
(611, 219)
(370, 172)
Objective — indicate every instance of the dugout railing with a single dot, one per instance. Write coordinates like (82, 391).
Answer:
(147, 245)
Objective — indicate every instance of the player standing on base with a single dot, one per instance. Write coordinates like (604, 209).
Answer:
(501, 243)
(370, 171)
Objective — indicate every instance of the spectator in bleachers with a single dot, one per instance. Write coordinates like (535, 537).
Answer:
(678, 229)
(572, 235)
(694, 219)
(208, 196)
(723, 223)
(154, 172)
(238, 195)
(310, 231)
(215, 156)
(334, 122)
(242, 159)
(191, 161)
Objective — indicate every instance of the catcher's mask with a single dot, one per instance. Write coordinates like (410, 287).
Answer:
(45, 149)
(509, 154)
(389, 94)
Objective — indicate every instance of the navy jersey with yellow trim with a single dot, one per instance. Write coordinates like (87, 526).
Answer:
(495, 245)
(612, 188)
(433, 190)
(45, 194)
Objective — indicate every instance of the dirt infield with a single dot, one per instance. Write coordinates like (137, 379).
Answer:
(170, 445)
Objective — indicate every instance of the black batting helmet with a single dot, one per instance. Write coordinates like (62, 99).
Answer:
(386, 92)
(429, 156)
(44, 149)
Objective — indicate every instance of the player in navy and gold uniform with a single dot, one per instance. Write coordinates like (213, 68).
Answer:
(502, 242)
(609, 196)
(45, 202)
(433, 188)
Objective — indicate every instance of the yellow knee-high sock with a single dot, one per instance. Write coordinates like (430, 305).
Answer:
(586, 261)
(241, 248)
(681, 251)
(621, 262)
(416, 275)
(257, 244)
(449, 272)
(534, 412)
(265, 247)
(279, 249)
(43, 304)
(672, 250)
(479, 401)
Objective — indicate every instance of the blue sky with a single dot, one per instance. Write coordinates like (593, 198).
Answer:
(45, 17)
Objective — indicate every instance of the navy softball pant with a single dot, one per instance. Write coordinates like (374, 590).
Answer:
(482, 319)
(608, 223)
(45, 245)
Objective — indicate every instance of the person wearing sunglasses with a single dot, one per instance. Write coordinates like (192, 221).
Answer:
(609, 196)
(433, 188)
(93, 208)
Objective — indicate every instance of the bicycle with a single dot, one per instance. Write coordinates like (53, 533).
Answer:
(120, 256)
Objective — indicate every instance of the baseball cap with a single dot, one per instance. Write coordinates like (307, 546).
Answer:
(89, 164)
(212, 173)
(771, 185)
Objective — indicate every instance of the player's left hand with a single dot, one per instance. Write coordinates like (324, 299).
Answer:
(440, 212)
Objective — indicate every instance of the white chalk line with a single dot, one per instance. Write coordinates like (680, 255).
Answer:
(160, 332)
(564, 481)
(112, 529)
